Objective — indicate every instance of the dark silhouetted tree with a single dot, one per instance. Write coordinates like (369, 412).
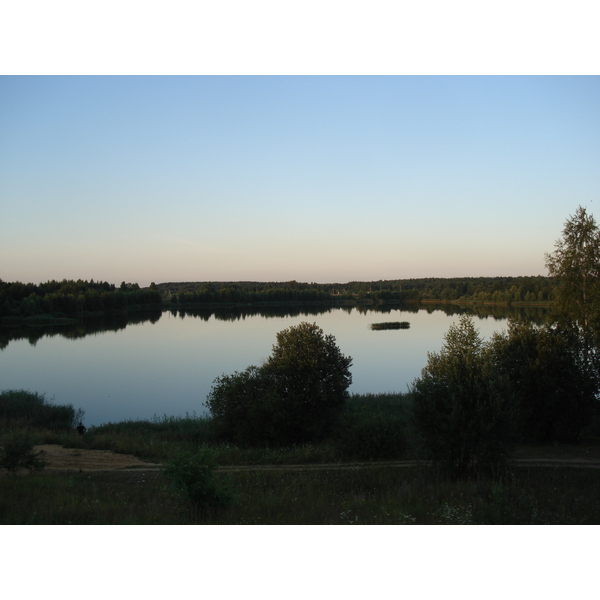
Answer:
(295, 396)
(575, 264)
(462, 409)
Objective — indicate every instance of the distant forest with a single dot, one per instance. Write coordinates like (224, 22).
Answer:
(501, 290)
(72, 298)
(68, 298)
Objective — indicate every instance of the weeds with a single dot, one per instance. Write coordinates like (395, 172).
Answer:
(22, 408)
(192, 475)
(380, 495)
(18, 453)
(195, 492)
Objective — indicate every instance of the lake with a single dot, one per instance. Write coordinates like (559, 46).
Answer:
(166, 363)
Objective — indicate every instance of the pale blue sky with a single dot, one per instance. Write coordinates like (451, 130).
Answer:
(325, 179)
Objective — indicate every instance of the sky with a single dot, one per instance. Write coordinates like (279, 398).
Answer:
(274, 178)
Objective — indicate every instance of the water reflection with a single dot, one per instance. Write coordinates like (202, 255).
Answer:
(74, 331)
(239, 313)
(98, 325)
(165, 363)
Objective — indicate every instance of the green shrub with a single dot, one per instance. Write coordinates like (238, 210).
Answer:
(18, 453)
(192, 474)
(371, 437)
(463, 410)
(374, 427)
(244, 407)
(22, 408)
(555, 394)
(296, 396)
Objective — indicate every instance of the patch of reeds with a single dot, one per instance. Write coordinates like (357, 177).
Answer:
(157, 439)
(375, 427)
(24, 409)
(391, 325)
(372, 427)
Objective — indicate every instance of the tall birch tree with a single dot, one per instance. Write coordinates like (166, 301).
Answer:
(575, 264)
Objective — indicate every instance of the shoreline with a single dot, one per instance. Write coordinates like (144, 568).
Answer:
(44, 320)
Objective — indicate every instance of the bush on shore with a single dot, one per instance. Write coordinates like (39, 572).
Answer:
(18, 453)
(22, 409)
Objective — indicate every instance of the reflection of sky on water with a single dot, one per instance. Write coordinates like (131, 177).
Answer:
(168, 367)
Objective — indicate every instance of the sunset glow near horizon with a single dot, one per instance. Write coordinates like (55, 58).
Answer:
(319, 179)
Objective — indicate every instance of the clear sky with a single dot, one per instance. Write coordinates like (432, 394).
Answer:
(324, 178)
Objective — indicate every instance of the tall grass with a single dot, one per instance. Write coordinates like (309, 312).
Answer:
(379, 495)
(24, 409)
(372, 428)
(156, 439)
(375, 427)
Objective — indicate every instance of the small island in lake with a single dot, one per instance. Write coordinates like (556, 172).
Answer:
(391, 325)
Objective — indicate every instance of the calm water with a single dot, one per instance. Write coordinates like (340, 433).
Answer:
(168, 366)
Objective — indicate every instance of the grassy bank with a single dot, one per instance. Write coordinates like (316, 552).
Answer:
(372, 427)
(374, 496)
(346, 479)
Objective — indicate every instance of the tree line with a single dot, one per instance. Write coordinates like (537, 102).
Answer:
(72, 298)
(69, 297)
(239, 293)
(501, 290)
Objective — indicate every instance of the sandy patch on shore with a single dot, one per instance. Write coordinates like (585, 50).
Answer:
(76, 459)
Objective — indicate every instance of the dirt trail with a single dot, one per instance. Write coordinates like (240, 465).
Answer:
(75, 459)
(72, 459)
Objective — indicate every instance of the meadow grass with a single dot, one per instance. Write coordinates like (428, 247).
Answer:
(380, 495)
(373, 428)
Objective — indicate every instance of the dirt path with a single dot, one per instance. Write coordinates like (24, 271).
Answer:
(71, 459)
(74, 459)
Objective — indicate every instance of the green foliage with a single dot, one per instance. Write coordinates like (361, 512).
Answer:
(374, 427)
(294, 397)
(311, 377)
(502, 290)
(18, 453)
(22, 408)
(155, 439)
(462, 409)
(391, 325)
(245, 407)
(192, 474)
(376, 495)
(71, 297)
(575, 263)
(555, 395)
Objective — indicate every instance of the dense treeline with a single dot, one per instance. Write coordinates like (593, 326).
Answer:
(76, 298)
(485, 289)
(242, 293)
(71, 298)
(504, 290)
